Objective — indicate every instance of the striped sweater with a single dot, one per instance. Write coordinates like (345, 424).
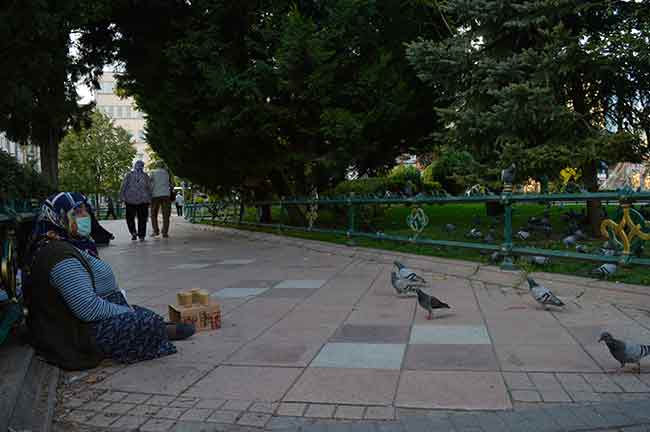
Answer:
(75, 286)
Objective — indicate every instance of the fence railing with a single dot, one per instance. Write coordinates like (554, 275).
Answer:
(625, 231)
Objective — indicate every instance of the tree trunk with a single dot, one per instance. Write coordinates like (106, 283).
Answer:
(594, 212)
(49, 150)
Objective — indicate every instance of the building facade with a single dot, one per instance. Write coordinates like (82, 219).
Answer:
(124, 114)
(24, 154)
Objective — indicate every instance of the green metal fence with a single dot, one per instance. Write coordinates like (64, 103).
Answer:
(629, 229)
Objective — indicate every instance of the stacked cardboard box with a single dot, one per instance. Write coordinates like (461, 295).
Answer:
(195, 307)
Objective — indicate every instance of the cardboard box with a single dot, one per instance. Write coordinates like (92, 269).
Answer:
(203, 317)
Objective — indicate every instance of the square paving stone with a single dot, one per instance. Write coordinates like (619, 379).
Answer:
(275, 354)
(190, 266)
(449, 335)
(451, 357)
(545, 358)
(451, 390)
(246, 383)
(289, 292)
(238, 292)
(301, 284)
(128, 422)
(224, 416)
(360, 356)
(236, 262)
(320, 411)
(350, 412)
(345, 386)
(257, 420)
(157, 425)
(155, 377)
(372, 334)
(253, 284)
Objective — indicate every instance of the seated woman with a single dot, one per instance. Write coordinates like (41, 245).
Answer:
(77, 314)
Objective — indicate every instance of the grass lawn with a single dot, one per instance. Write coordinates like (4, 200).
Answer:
(391, 220)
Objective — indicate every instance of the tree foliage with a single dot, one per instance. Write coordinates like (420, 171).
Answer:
(95, 159)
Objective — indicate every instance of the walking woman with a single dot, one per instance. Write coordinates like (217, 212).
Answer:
(78, 316)
(136, 194)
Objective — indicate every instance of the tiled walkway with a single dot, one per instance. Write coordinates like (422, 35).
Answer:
(313, 333)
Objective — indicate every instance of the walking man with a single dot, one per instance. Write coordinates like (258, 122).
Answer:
(136, 194)
(180, 201)
(110, 212)
(161, 199)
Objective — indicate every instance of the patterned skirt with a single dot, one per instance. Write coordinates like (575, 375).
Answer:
(134, 336)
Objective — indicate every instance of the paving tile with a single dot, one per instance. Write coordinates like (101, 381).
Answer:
(349, 412)
(450, 390)
(630, 383)
(144, 410)
(518, 381)
(155, 376)
(112, 396)
(210, 403)
(189, 266)
(238, 292)
(79, 416)
(264, 407)
(360, 356)
(183, 402)
(220, 416)
(258, 420)
(159, 400)
(253, 284)
(128, 422)
(236, 405)
(119, 408)
(602, 383)
(300, 284)
(539, 358)
(557, 395)
(545, 381)
(372, 334)
(89, 395)
(574, 383)
(450, 357)
(584, 396)
(237, 262)
(95, 405)
(73, 402)
(102, 420)
(526, 396)
(286, 423)
(246, 383)
(157, 425)
(136, 398)
(345, 386)
(170, 413)
(449, 335)
(291, 409)
(288, 293)
(380, 413)
(260, 353)
(197, 414)
(320, 411)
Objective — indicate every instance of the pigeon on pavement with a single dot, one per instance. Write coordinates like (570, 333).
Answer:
(543, 295)
(625, 352)
(403, 286)
(404, 272)
(429, 302)
(605, 270)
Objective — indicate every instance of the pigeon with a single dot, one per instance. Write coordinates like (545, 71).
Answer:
(537, 259)
(523, 235)
(624, 352)
(607, 252)
(579, 234)
(543, 295)
(403, 286)
(495, 257)
(605, 270)
(429, 302)
(489, 237)
(474, 233)
(404, 272)
(450, 228)
(508, 174)
(569, 241)
(582, 249)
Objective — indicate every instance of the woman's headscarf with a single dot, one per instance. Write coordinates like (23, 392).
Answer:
(54, 221)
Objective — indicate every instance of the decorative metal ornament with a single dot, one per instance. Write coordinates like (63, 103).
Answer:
(417, 221)
(625, 231)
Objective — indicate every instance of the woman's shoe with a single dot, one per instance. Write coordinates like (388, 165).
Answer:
(179, 331)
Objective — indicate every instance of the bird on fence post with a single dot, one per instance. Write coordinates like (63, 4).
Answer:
(508, 177)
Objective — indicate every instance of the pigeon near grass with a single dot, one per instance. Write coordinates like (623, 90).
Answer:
(537, 259)
(429, 302)
(569, 241)
(450, 228)
(523, 235)
(404, 272)
(625, 352)
(605, 270)
(582, 249)
(543, 295)
(474, 233)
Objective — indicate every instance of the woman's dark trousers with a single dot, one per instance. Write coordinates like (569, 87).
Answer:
(141, 211)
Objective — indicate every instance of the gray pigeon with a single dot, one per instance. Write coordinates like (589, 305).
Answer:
(495, 257)
(450, 228)
(489, 237)
(605, 270)
(537, 259)
(582, 249)
(474, 233)
(543, 295)
(404, 272)
(569, 241)
(625, 352)
(508, 174)
(403, 286)
(429, 302)
(523, 235)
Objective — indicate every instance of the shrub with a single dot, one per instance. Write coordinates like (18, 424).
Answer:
(454, 170)
(364, 186)
(21, 181)
(403, 174)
